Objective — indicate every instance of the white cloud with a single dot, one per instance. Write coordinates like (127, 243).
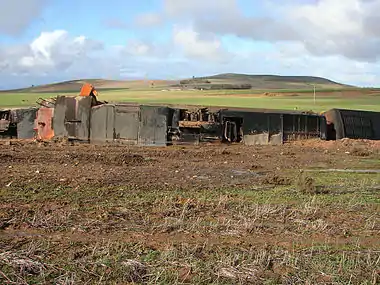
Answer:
(51, 51)
(56, 50)
(294, 58)
(329, 38)
(16, 15)
(325, 27)
(330, 17)
(42, 49)
(193, 45)
(57, 55)
(339, 27)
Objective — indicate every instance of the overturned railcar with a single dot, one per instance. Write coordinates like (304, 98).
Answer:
(80, 118)
(17, 123)
(257, 126)
(84, 118)
(353, 124)
(130, 124)
(247, 126)
(72, 117)
(8, 124)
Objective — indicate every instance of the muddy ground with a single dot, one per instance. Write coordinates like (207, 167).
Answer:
(221, 214)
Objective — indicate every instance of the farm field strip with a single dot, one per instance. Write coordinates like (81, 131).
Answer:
(287, 101)
(209, 214)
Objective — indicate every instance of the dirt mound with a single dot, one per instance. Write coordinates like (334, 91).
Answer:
(39, 154)
(340, 144)
(277, 180)
(270, 94)
(103, 158)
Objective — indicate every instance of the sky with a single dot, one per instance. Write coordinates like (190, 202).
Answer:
(44, 41)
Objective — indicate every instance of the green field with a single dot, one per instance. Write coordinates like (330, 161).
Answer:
(283, 99)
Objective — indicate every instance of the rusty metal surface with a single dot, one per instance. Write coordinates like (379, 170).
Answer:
(43, 124)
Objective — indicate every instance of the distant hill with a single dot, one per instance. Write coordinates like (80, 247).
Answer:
(219, 81)
(263, 82)
(99, 84)
(74, 85)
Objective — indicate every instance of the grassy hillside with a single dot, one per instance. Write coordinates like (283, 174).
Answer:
(289, 93)
(254, 82)
(276, 78)
(267, 82)
(74, 86)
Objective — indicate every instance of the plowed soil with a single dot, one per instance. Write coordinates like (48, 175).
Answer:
(227, 214)
(188, 167)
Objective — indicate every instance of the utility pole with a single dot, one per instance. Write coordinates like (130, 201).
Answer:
(314, 92)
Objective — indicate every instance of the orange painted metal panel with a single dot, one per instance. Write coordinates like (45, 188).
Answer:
(87, 89)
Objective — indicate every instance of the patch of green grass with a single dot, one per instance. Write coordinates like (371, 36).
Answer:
(370, 163)
(289, 103)
(233, 98)
(8, 100)
(338, 188)
(288, 90)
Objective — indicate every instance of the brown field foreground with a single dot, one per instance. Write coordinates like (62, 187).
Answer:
(301, 213)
